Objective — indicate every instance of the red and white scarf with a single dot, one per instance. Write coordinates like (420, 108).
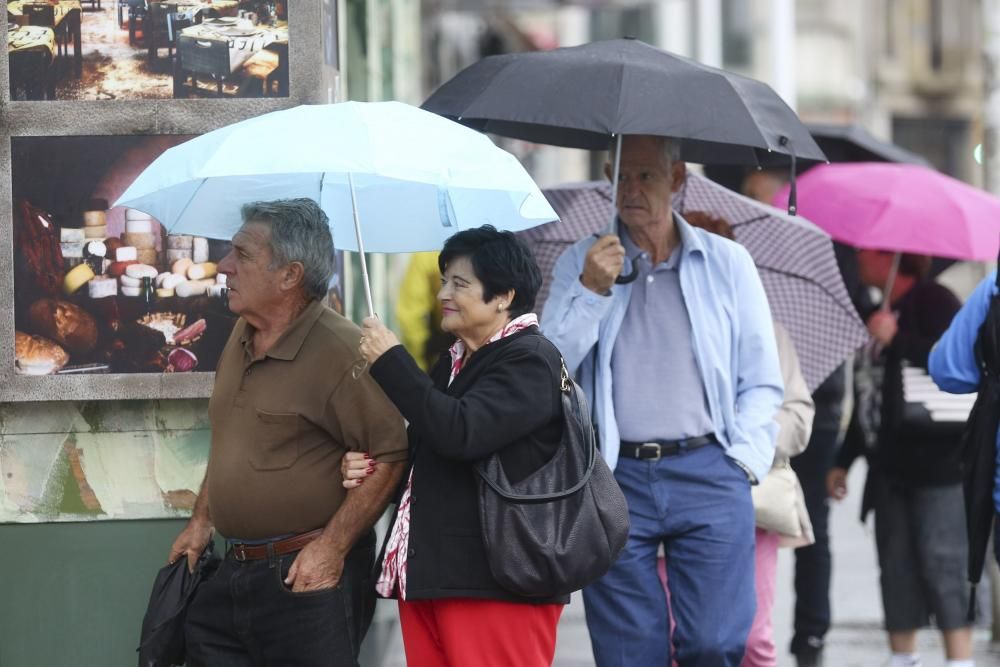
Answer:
(394, 564)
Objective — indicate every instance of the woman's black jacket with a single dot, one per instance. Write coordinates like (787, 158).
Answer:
(506, 399)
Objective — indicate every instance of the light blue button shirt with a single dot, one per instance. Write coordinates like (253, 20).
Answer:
(732, 336)
(952, 363)
(657, 318)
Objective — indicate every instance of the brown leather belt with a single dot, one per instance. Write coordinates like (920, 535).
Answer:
(244, 552)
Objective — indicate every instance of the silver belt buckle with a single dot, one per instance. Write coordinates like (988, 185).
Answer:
(240, 553)
(653, 445)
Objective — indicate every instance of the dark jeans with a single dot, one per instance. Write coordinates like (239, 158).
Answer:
(245, 615)
(813, 563)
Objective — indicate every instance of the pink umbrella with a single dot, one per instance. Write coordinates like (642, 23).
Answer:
(900, 208)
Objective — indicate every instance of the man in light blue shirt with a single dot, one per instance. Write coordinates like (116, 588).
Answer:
(681, 368)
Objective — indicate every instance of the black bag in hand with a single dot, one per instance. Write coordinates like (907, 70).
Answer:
(162, 641)
(561, 528)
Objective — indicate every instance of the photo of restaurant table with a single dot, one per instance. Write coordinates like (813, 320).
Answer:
(99, 290)
(144, 49)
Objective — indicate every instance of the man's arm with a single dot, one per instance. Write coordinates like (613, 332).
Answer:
(365, 421)
(952, 363)
(198, 531)
(320, 564)
(759, 387)
(573, 313)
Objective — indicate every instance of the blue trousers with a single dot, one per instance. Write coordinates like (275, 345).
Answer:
(697, 504)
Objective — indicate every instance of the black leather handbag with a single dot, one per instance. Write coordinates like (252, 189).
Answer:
(562, 527)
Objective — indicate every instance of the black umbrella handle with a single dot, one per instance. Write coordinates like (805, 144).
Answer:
(625, 279)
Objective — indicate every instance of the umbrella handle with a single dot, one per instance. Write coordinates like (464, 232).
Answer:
(891, 282)
(793, 196)
(361, 247)
(630, 278)
(612, 229)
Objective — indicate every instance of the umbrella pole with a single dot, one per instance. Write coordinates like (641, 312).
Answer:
(793, 197)
(891, 282)
(614, 185)
(361, 248)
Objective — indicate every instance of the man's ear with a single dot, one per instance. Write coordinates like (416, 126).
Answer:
(292, 276)
(607, 172)
(678, 174)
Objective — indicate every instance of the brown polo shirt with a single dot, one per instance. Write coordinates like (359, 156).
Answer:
(282, 422)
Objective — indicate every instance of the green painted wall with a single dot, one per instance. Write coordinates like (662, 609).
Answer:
(90, 493)
(73, 594)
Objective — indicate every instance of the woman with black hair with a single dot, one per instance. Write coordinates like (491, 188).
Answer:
(497, 391)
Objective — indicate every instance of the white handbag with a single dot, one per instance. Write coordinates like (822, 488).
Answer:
(775, 501)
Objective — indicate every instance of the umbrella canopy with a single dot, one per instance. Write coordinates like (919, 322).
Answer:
(853, 143)
(417, 178)
(795, 260)
(840, 143)
(581, 96)
(901, 208)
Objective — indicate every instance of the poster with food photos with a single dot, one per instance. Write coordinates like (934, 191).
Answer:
(147, 49)
(101, 289)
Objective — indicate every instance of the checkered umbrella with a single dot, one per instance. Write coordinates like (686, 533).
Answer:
(794, 258)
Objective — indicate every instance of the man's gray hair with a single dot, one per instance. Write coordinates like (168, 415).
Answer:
(671, 150)
(300, 232)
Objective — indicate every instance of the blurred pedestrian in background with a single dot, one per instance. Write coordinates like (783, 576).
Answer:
(418, 311)
(914, 478)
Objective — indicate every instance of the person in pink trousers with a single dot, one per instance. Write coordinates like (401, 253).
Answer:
(782, 519)
(779, 503)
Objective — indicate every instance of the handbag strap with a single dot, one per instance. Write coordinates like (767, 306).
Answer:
(576, 403)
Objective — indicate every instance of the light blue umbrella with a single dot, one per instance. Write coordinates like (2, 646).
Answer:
(391, 177)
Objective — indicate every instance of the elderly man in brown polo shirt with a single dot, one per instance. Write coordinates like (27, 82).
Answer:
(295, 586)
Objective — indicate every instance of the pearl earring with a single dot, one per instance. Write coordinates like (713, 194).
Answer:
(500, 307)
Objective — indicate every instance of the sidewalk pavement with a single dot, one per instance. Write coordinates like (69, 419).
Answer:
(856, 640)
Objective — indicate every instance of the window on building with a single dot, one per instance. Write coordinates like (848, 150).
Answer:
(737, 26)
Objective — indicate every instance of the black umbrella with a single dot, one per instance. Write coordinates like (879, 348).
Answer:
(853, 143)
(840, 143)
(582, 96)
(162, 640)
(979, 444)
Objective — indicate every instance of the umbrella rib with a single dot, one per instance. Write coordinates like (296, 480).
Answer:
(759, 218)
(188, 203)
(616, 129)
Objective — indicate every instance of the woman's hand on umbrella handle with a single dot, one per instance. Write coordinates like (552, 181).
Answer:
(376, 339)
(355, 467)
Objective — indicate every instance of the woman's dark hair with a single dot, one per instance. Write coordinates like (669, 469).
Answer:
(501, 262)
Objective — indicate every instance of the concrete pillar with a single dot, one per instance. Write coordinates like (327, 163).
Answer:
(709, 27)
(782, 17)
(991, 95)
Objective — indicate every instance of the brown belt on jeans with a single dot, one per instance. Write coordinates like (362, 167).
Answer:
(244, 552)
